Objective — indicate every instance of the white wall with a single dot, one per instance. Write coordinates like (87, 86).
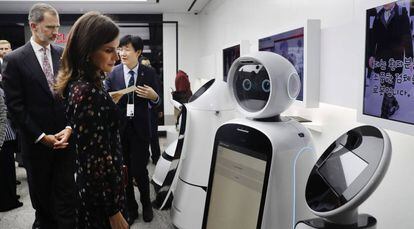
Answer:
(342, 55)
(188, 44)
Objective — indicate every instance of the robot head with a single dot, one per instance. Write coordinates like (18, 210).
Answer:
(264, 84)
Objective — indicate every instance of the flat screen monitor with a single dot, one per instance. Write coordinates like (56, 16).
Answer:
(236, 191)
(388, 95)
(341, 169)
(301, 46)
(229, 56)
(290, 45)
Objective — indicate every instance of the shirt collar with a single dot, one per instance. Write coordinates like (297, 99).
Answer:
(126, 69)
(390, 10)
(37, 47)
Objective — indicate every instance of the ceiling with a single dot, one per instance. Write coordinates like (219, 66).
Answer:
(108, 6)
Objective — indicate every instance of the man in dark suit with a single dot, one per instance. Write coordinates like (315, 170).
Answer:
(28, 76)
(5, 48)
(389, 39)
(135, 121)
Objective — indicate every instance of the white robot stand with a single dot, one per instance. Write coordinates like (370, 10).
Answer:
(260, 163)
(345, 175)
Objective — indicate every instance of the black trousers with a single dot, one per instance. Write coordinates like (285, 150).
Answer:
(388, 85)
(8, 198)
(51, 186)
(155, 143)
(19, 158)
(136, 156)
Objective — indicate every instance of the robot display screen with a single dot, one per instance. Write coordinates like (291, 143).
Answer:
(236, 191)
(341, 169)
(289, 45)
(252, 85)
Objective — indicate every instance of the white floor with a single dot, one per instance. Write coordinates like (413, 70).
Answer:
(23, 217)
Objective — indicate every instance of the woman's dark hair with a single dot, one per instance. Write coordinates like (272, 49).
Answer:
(89, 33)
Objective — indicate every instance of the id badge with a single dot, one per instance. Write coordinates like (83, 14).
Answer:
(130, 110)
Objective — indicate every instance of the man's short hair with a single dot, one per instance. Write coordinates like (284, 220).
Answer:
(38, 11)
(135, 41)
(4, 42)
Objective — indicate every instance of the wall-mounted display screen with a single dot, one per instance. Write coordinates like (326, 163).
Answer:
(388, 78)
(236, 191)
(229, 56)
(290, 45)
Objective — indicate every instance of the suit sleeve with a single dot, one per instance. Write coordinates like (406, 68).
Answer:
(406, 36)
(155, 86)
(13, 88)
(373, 40)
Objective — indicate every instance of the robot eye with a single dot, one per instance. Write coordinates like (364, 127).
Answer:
(247, 84)
(266, 85)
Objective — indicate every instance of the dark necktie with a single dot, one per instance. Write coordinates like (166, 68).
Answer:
(131, 83)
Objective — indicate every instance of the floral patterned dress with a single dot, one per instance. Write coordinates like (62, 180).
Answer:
(99, 176)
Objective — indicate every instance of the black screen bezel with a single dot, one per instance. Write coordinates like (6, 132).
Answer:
(248, 141)
(318, 190)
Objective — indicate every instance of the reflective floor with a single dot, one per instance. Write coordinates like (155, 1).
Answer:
(23, 217)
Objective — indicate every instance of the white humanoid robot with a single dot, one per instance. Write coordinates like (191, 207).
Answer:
(260, 163)
(212, 107)
(190, 155)
(345, 175)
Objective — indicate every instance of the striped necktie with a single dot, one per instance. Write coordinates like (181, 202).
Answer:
(131, 82)
(47, 69)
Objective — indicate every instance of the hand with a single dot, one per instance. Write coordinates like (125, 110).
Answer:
(146, 92)
(116, 97)
(49, 140)
(118, 221)
(62, 137)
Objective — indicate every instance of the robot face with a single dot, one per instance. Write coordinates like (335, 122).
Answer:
(252, 85)
(263, 84)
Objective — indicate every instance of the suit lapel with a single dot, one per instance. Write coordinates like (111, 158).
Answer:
(55, 59)
(140, 76)
(120, 78)
(33, 65)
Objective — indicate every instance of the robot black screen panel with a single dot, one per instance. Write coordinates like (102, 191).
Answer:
(252, 86)
(229, 56)
(341, 169)
(236, 191)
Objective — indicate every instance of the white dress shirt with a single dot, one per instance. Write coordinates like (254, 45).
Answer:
(39, 53)
(127, 76)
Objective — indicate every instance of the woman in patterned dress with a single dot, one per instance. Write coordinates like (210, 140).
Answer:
(89, 53)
